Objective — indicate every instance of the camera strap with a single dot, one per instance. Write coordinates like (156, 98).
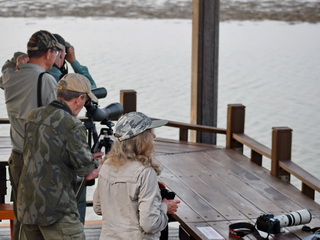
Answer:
(39, 89)
(241, 229)
(309, 229)
(60, 105)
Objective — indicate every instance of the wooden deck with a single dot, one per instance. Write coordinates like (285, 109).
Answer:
(216, 186)
(219, 186)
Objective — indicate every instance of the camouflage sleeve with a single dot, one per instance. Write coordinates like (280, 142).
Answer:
(80, 157)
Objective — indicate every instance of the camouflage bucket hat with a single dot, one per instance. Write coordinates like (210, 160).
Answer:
(134, 123)
(42, 41)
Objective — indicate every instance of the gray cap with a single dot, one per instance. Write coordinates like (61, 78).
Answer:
(133, 123)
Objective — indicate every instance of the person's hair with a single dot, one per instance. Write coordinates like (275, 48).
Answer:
(60, 39)
(139, 148)
(36, 54)
(68, 95)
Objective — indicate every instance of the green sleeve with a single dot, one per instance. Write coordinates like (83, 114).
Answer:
(83, 70)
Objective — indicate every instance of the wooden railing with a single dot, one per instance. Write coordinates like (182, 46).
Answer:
(4, 121)
(185, 127)
(280, 153)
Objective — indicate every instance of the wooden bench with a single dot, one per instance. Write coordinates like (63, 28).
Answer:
(6, 213)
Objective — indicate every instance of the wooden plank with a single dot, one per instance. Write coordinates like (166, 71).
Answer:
(253, 144)
(241, 194)
(191, 174)
(198, 210)
(200, 128)
(164, 146)
(210, 185)
(219, 169)
(285, 195)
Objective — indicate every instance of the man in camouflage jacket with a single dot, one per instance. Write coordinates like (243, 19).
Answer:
(55, 152)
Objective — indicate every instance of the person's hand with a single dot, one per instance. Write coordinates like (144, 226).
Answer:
(94, 174)
(98, 155)
(70, 57)
(172, 205)
(22, 59)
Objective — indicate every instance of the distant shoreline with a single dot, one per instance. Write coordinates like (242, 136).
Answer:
(286, 10)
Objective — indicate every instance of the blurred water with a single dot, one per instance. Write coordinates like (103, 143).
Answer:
(270, 67)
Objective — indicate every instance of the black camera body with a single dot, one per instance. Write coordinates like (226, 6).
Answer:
(267, 223)
(165, 193)
(272, 225)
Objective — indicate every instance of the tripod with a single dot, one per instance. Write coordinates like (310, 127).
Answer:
(98, 143)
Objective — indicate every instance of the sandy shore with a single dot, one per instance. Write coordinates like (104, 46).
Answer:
(284, 10)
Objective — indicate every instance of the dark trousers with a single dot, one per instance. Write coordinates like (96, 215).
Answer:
(15, 167)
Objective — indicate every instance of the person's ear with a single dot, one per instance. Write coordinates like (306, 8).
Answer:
(47, 54)
(77, 100)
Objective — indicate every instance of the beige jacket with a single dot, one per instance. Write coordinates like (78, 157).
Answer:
(130, 203)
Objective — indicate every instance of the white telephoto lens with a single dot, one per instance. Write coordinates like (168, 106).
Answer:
(295, 218)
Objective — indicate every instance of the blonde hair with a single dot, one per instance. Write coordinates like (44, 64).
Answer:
(139, 148)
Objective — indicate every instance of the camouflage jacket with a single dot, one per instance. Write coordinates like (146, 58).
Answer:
(55, 152)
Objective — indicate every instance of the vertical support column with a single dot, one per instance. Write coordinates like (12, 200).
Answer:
(128, 99)
(281, 150)
(235, 124)
(204, 84)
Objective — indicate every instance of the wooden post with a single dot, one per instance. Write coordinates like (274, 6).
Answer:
(256, 157)
(183, 134)
(128, 99)
(204, 85)
(281, 150)
(235, 124)
(308, 191)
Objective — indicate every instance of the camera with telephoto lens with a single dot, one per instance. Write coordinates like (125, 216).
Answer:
(112, 111)
(270, 224)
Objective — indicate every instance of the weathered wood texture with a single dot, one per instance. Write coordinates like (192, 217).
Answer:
(219, 186)
(205, 49)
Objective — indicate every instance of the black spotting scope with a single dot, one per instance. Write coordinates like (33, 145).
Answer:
(112, 111)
